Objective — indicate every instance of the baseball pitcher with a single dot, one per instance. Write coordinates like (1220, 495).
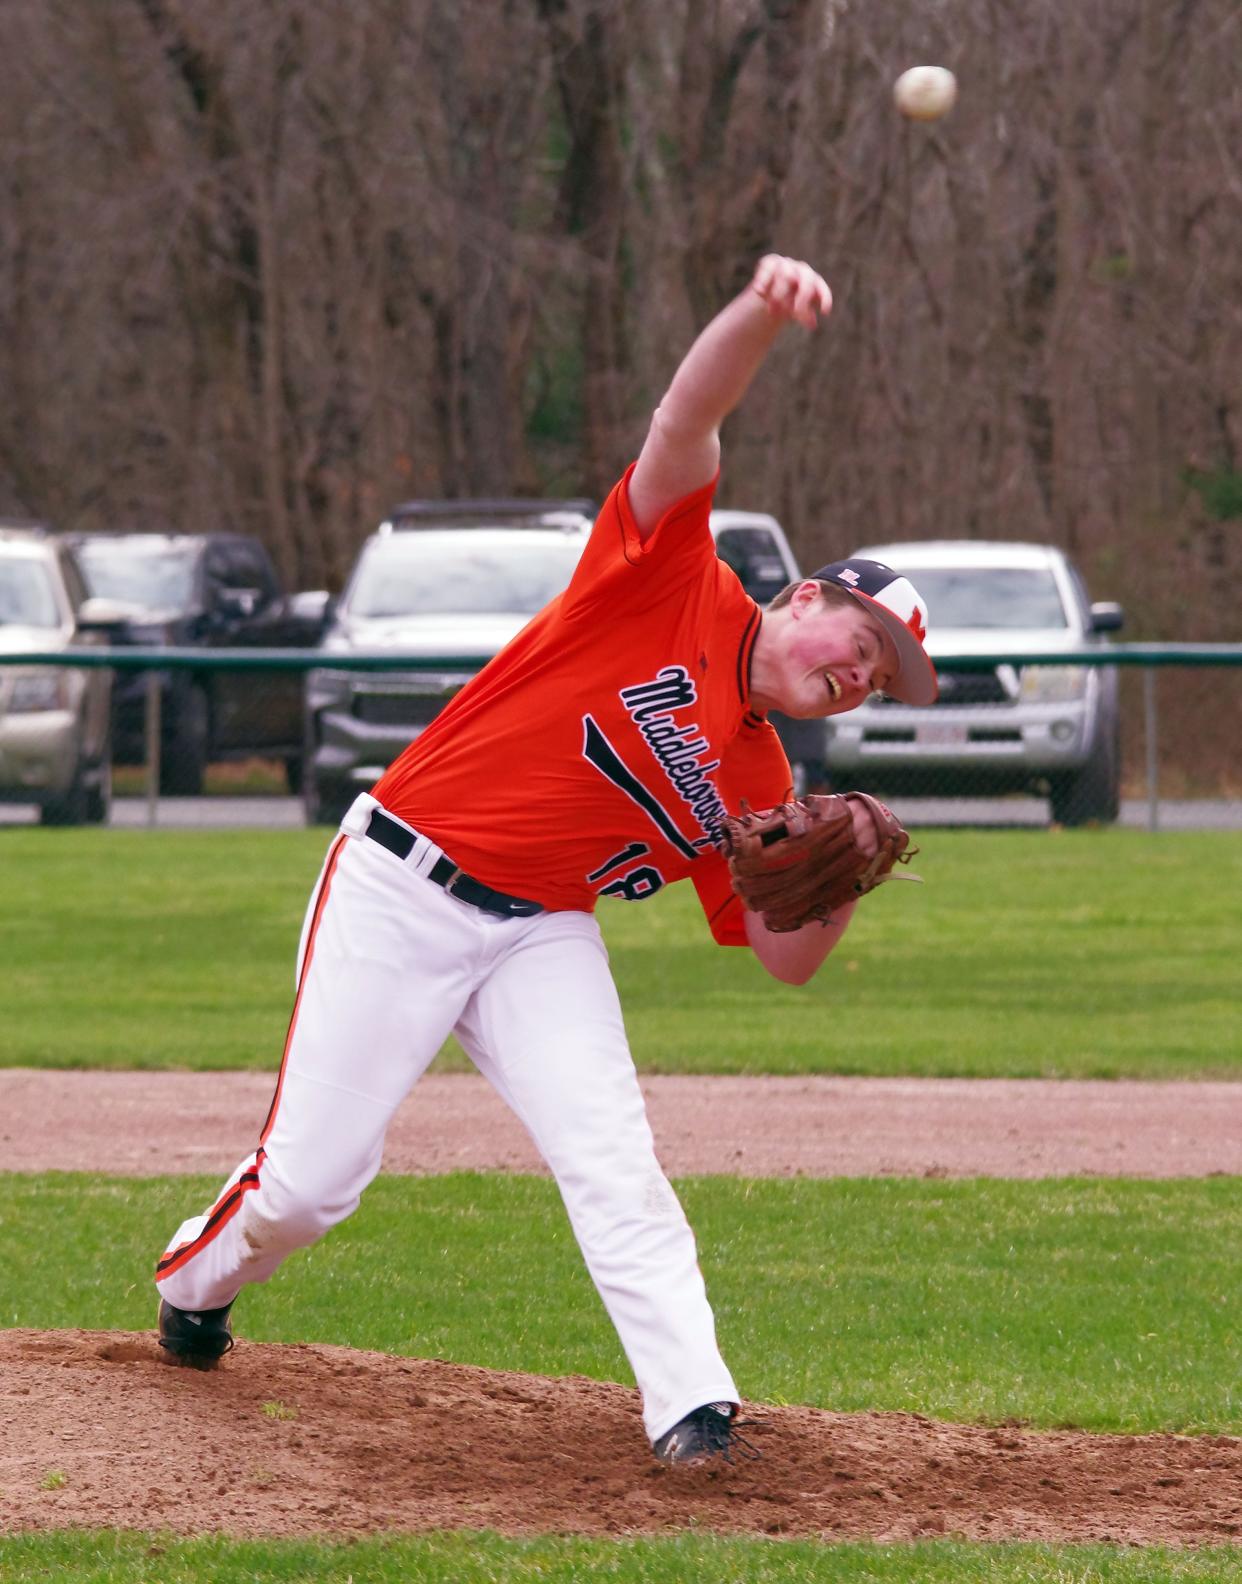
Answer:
(617, 745)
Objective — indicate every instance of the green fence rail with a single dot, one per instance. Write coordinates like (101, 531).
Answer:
(1149, 657)
(135, 659)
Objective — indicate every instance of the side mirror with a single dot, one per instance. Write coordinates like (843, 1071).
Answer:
(312, 606)
(1107, 616)
(99, 614)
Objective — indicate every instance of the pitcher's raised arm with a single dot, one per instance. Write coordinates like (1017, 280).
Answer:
(682, 449)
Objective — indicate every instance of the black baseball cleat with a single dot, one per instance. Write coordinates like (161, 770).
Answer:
(200, 1338)
(706, 1433)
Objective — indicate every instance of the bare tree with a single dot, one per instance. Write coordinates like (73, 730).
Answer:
(275, 267)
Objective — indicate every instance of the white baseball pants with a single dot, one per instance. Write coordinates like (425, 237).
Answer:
(389, 966)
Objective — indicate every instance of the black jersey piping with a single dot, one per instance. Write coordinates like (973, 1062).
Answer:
(745, 653)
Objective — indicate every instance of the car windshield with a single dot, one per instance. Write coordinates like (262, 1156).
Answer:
(154, 577)
(27, 594)
(459, 574)
(990, 597)
(753, 555)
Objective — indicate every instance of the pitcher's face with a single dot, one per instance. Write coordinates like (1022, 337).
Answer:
(826, 658)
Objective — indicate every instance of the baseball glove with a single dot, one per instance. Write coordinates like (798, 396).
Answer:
(798, 861)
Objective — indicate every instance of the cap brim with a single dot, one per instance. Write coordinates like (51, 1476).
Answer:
(915, 682)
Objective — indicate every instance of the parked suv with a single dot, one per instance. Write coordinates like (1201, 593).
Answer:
(446, 578)
(998, 727)
(53, 719)
(214, 592)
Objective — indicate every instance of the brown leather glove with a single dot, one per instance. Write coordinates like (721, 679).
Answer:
(798, 861)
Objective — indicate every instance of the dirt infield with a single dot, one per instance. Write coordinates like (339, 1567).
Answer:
(318, 1440)
(97, 1429)
(147, 1124)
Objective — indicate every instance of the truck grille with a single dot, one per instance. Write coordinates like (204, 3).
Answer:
(968, 687)
(400, 709)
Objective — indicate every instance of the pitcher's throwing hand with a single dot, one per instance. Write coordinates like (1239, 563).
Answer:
(792, 290)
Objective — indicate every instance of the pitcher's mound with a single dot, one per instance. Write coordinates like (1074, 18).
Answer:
(98, 1430)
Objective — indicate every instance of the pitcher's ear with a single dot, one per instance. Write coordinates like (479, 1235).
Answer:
(805, 596)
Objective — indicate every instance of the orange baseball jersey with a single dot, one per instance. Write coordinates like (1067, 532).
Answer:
(596, 753)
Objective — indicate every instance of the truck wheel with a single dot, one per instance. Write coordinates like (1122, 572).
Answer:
(70, 806)
(323, 807)
(1092, 795)
(99, 792)
(87, 800)
(184, 752)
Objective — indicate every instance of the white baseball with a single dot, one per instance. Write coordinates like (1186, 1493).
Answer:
(925, 93)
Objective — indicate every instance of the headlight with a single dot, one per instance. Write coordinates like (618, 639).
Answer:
(1053, 684)
(40, 690)
(327, 688)
(144, 635)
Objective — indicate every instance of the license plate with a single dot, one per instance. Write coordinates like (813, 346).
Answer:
(941, 734)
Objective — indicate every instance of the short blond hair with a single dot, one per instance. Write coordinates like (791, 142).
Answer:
(833, 593)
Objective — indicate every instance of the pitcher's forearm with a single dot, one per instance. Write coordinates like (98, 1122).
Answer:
(718, 369)
(682, 450)
(796, 956)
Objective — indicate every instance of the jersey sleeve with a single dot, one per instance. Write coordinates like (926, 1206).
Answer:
(755, 768)
(619, 572)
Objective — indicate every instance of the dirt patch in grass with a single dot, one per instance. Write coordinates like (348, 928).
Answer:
(145, 1124)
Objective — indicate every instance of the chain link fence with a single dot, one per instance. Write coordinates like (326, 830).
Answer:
(1075, 738)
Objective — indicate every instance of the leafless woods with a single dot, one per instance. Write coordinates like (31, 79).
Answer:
(274, 266)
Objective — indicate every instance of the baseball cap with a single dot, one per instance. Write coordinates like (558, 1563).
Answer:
(896, 605)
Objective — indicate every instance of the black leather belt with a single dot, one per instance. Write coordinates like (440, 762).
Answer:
(400, 841)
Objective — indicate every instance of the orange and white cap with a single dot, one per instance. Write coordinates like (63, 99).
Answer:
(896, 604)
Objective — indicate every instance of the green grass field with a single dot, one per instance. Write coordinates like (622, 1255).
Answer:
(1106, 1304)
(1025, 954)
(486, 1559)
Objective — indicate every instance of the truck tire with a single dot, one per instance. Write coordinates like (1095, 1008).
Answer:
(87, 800)
(186, 747)
(1092, 795)
(68, 807)
(323, 806)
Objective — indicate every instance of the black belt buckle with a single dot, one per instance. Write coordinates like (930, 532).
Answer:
(465, 888)
(457, 874)
(399, 840)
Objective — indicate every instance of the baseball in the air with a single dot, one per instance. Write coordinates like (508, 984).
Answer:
(925, 93)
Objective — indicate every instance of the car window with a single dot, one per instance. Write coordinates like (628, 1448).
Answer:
(460, 575)
(154, 577)
(244, 566)
(754, 555)
(990, 597)
(27, 593)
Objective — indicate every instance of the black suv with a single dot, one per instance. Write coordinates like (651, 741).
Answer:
(215, 592)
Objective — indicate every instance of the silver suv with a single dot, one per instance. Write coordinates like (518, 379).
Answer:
(54, 739)
(998, 727)
(445, 578)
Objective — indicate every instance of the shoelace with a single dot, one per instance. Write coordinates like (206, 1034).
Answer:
(721, 1434)
(747, 1448)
